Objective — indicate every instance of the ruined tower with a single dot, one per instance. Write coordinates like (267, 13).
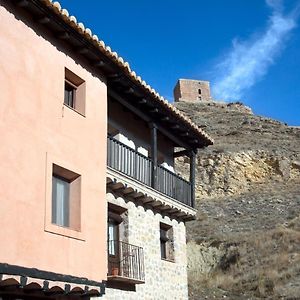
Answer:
(192, 90)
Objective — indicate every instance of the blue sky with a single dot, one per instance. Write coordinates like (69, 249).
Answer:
(248, 49)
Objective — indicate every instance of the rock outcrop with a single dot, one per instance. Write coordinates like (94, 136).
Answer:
(245, 243)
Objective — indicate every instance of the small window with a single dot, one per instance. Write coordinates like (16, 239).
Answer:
(70, 91)
(166, 242)
(66, 187)
(199, 91)
(74, 96)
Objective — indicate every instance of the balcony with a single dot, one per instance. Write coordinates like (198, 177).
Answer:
(125, 263)
(134, 164)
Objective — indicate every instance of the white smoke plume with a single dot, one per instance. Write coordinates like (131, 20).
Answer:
(248, 61)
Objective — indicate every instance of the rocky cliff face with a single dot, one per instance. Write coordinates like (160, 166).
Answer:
(245, 243)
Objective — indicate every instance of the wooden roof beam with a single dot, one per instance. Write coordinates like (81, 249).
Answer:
(148, 119)
(143, 101)
(43, 20)
(99, 64)
(165, 119)
(63, 35)
(22, 3)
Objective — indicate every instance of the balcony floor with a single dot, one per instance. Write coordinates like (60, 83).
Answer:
(148, 197)
(124, 279)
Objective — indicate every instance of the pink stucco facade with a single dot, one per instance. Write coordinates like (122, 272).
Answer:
(37, 130)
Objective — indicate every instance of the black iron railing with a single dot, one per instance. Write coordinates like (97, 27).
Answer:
(173, 185)
(136, 165)
(128, 161)
(126, 261)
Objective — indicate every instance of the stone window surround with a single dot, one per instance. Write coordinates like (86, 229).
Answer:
(167, 242)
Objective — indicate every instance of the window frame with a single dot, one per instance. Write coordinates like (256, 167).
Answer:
(163, 243)
(66, 211)
(74, 198)
(73, 91)
(78, 93)
(166, 238)
(114, 217)
(49, 227)
(113, 249)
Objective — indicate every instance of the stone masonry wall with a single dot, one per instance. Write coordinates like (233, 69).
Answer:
(192, 90)
(164, 280)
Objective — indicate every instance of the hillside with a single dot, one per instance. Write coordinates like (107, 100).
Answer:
(245, 243)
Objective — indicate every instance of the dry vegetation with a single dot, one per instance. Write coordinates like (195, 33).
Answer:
(245, 243)
(261, 265)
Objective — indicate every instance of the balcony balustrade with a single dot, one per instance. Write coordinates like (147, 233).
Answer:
(125, 262)
(134, 164)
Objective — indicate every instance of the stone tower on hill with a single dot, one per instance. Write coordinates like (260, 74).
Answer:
(192, 90)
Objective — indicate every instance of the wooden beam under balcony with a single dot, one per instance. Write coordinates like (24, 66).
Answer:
(181, 153)
(163, 208)
(137, 195)
(178, 214)
(148, 200)
(188, 218)
(172, 210)
(128, 190)
(114, 185)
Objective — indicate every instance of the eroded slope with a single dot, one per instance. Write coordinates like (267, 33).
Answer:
(245, 243)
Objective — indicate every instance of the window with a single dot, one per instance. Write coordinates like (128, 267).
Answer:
(115, 228)
(60, 202)
(113, 236)
(117, 249)
(166, 242)
(66, 189)
(70, 91)
(74, 96)
(199, 91)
